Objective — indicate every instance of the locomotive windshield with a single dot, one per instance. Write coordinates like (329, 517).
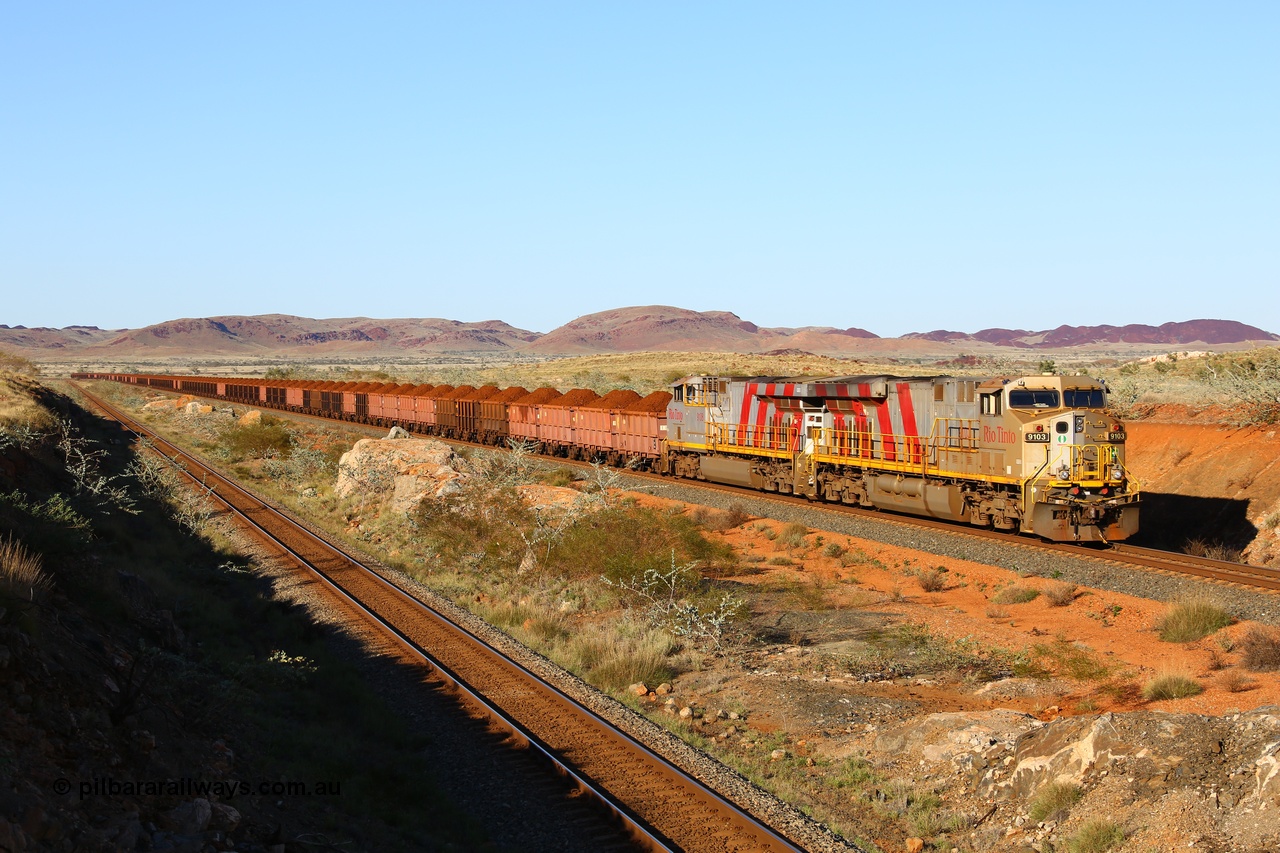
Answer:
(1026, 399)
(1084, 398)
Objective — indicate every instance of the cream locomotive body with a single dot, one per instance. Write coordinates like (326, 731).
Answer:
(1038, 454)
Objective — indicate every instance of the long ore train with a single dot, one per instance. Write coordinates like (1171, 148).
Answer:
(1036, 454)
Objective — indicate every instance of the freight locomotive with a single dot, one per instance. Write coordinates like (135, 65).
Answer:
(1034, 454)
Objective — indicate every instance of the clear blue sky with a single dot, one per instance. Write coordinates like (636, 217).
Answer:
(899, 167)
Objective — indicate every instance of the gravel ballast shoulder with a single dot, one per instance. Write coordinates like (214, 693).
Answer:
(1015, 555)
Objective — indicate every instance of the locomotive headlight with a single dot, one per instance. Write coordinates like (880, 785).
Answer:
(1117, 473)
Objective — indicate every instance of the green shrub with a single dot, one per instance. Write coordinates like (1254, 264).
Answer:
(857, 558)
(623, 542)
(1066, 658)
(855, 772)
(1171, 686)
(478, 528)
(834, 549)
(1192, 619)
(267, 439)
(557, 476)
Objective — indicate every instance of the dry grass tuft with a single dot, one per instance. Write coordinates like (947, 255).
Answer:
(792, 537)
(21, 574)
(1059, 593)
(720, 520)
(18, 405)
(1260, 649)
(1235, 681)
(1192, 619)
(1214, 551)
(1054, 798)
(1095, 836)
(932, 580)
(1171, 685)
(1015, 595)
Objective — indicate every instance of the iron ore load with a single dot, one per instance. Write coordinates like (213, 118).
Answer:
(1034, 454)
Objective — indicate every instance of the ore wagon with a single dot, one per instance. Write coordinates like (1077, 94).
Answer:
(596, 422)
(493, 420)
(523, 414)
(558, 421)
(642, 429)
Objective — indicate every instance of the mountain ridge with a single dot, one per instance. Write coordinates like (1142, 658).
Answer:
(653, 328)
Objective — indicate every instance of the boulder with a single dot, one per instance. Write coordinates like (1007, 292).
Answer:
(968, 740)
(190, 817)
(1157, 751)
(421, 480)
(224, 818)
(250, 418)
(539, 497)
(407, 471)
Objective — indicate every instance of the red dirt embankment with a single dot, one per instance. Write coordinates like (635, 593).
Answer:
(1209, 482)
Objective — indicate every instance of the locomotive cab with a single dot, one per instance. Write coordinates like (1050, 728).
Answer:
(1076, 482)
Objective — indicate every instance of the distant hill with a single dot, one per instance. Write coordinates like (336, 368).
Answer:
(660, 328)
(277, 334)
(1210, 332)
(43, 338)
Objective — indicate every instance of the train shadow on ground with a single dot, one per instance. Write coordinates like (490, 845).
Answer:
(1183, 523)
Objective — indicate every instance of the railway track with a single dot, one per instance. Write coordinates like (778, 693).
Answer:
(1131, 556)
(657, 804)
(1124, 554)
(1219, 571)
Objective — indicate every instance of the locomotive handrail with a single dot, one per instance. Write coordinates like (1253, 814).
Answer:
(1082, 468)
(1026, 485)
(907, 453)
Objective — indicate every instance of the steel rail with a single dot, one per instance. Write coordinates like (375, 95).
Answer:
(1242, 574)
(765, 838)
